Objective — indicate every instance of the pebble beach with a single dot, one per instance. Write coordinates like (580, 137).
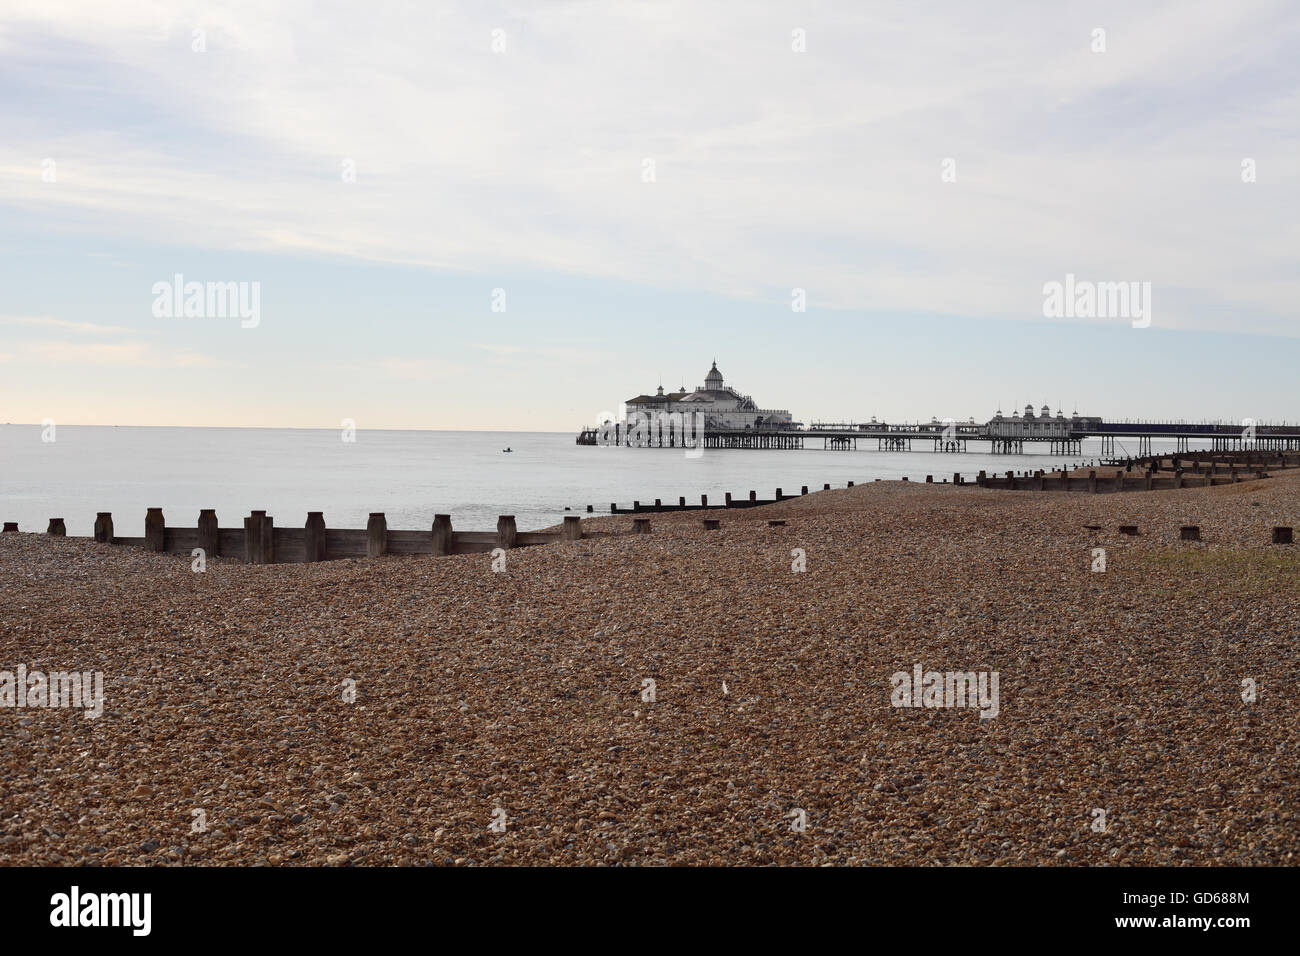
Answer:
(421, 711)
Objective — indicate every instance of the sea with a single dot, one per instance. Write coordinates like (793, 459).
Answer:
(412, 475)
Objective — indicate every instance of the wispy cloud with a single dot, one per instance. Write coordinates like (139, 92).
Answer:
(90, 328)
(773, 168)
(121, 355)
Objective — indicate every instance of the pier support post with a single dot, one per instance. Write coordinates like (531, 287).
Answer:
(313, 537)
(103, 527)
(209, 540)
(506, 532)
(376, 534)
(57, 528)
(572, 528)
(155, 530)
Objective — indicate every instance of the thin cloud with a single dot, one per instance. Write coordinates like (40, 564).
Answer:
(90, 328)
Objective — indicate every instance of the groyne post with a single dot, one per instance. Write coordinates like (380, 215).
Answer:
(506, 532)
(442, 539)
(209, 539)
(376, 534)
(57, 528)
(155, 530)
(572, 528)
(104, 527)
(313, 537)
(259, 538)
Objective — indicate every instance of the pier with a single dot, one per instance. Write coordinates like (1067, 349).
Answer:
(1004, 436)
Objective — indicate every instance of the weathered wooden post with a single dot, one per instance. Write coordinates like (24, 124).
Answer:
(209, 539)
(376, 535)
(803, 490)
(956, 477)
(1146, 480)
(1092, 482)
(506, 532)
(10, 526)
(826, 487)
(259, 538)
(850, 484)
(57, 528)
(1189, 532)
(681, 501)
(640, 525)
(155, 530)
(636, 506)
(753, 495)
(1011, 480)
(778, 494)
(1282, 535)
(1119, 481)
(704, 501)
(313, 537)
(1129, 529)
(1178, 478)
(103, 527)
(658, 504)
(572, 528)
(442, 539)
(728, 504)
(712, 524)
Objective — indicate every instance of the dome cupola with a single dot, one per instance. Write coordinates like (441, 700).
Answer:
(713, 381)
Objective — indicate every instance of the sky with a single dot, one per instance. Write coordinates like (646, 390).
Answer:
(518, 215)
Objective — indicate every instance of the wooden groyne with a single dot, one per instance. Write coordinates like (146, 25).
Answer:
(260, 541)
(1195, 470)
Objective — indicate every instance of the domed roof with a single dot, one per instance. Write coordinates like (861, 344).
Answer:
(714, 378)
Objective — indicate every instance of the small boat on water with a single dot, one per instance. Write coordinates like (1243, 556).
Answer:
(505, 451)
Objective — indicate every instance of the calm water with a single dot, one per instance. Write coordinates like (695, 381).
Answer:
(408, 475)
